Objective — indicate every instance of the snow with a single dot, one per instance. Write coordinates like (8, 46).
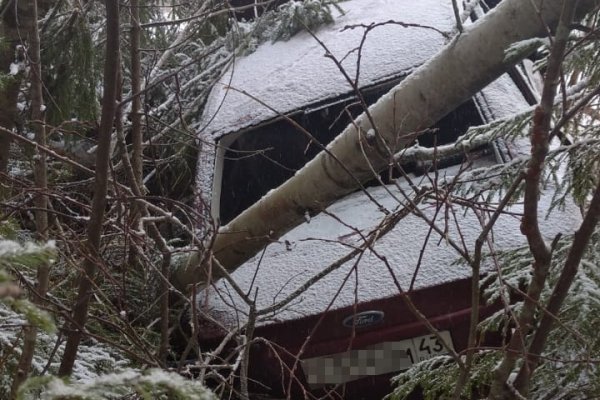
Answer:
(94, 359)
(309, 248)
(501, 99)
(10, 248)
(526, 46)
(288, 76)
(204, 179)
(120, 384)
(14, 69)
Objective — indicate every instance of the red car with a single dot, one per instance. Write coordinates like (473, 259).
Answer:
(334, 312)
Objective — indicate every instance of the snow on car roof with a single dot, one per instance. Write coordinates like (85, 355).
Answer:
(309, 248)
(288, 76)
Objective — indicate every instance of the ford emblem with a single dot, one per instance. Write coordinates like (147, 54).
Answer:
(363, 319)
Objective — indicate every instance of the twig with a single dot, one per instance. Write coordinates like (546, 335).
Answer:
(476, 266)
(459, 23)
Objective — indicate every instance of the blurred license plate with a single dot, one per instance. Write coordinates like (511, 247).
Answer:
(379, 359)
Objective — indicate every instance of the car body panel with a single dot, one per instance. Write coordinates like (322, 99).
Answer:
(403, 254)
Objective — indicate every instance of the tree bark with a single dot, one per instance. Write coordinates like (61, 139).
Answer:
(542, 256)
(137, 180)
(9, 31)
(470, 62)
(14, 23)
(567, 276)
(40, 173)
(136, 85)
(94, 229)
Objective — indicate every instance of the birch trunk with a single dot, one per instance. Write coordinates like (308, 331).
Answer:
(471, 61)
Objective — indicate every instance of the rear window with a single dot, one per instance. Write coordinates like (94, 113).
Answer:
(489, 4)
(262, 158)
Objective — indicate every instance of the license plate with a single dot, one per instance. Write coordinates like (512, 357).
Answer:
(378, 359)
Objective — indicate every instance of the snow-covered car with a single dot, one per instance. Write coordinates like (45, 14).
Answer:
(334, 310)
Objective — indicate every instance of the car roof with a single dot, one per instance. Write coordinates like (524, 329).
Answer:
(291, 75)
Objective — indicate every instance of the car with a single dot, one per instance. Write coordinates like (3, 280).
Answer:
(366, 288)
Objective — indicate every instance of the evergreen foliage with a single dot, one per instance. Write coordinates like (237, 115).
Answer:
(16, 311)
(14, 256)
(568, 369)
(95, 359)
(70, 62)
(281, 24)
(436, 378)
(293, 17)
(151, 384)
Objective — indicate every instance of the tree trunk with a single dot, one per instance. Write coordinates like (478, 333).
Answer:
(559, 294)
(9, 32)
(136, 85)
(470, 62)
(94, 229)
(41, 183)
(16, 17)
(137, 181)
(540, 141)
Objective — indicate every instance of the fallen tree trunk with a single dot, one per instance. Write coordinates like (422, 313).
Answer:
(465, 66)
